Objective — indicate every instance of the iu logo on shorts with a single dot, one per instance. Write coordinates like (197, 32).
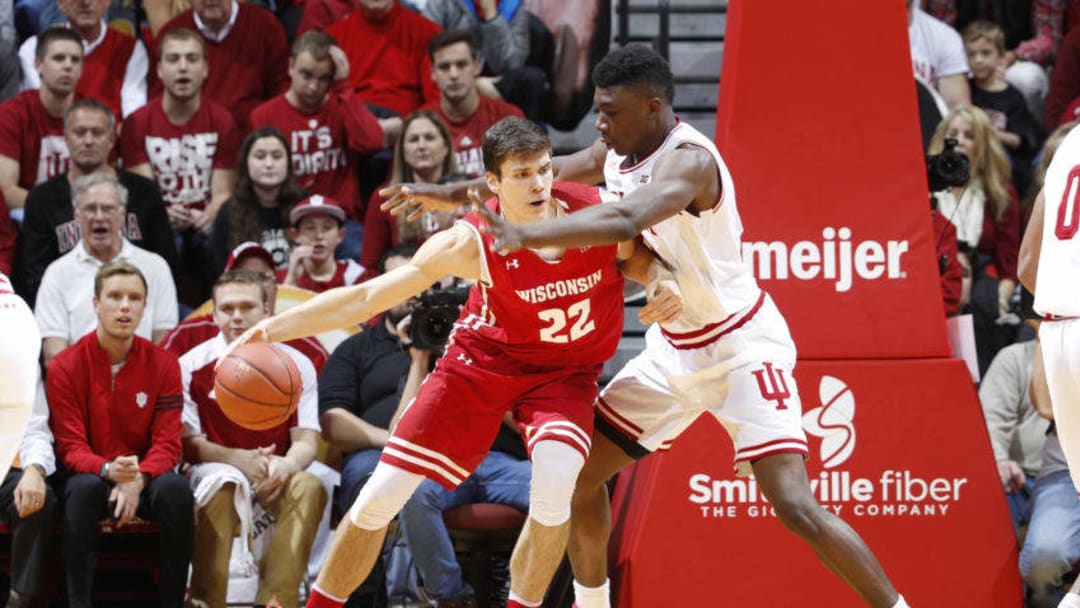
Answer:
(772, 385)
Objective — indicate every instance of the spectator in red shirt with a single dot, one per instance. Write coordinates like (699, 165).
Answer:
(327, 128)
(32, 147)
(387, 49)
(116, 63)
(423, 155)
(455, 67)
(187, 144)
(115, 401)
(317, 228)
(246, 49)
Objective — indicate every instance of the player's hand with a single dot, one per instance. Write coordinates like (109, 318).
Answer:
(341, 63)
(256, 333)
(126, 497)
(30, 492)
(123, 469)
(254, 464)
(1012, 476)
(507, 236)
(664, 303)
(179, 216)
(414, 199)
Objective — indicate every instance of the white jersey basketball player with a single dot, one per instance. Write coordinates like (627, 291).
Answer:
(1050, 268)
(730, 355)
(19, 350)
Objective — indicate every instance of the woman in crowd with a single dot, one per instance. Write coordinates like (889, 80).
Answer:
(424, 154)
(265, 192)
(986, 214)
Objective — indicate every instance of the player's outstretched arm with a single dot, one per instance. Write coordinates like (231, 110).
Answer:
(451, 252)
(682, 177)
(585, 166)
(1031, 246)
(415, 198)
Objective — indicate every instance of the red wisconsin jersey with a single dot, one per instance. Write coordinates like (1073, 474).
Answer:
(549, 313)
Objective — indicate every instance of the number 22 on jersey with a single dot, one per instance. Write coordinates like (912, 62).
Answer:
(576, 316)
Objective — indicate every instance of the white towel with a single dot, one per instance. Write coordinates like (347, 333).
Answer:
(206, 479)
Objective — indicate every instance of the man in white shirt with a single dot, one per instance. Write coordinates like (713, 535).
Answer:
(938, 56)
(64, 310)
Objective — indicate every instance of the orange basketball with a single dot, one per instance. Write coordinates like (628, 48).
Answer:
(258, 386)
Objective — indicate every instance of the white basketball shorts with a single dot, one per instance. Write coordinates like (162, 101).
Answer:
(743, 378)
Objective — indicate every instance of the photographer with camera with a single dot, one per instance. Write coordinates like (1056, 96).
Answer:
(986, 215)
(365, 387)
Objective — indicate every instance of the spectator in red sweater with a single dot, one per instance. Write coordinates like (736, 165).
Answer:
(32, 147)
(455, 68)
(327, 128)
(9, 236)
(1064, 83)
(246, 49)
(115, 401)
(116, 64)
(423, 155)
(387, 47)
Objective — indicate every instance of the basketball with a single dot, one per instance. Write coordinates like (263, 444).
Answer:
(258, 386)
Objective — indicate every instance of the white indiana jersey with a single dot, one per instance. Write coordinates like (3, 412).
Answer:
(1058, 291)
(19, 351)
(704, 252)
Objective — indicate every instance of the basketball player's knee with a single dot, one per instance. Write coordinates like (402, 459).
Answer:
(801, 515)
(382, 497)
(555, 470)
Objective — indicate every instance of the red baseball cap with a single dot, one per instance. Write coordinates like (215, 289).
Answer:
(316, 203)
(245, 249)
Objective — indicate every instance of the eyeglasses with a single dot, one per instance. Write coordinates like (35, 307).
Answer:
(94, 209)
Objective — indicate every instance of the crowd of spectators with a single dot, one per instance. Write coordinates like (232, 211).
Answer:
(211, 152)
(220, 149)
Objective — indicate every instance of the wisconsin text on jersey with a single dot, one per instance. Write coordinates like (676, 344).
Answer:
(559, 289)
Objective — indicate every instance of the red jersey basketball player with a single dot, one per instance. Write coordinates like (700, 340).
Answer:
(532, 339)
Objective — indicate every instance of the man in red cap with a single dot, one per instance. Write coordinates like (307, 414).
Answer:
(318, 225)
(195, 330)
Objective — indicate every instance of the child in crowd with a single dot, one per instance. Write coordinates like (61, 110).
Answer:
(317, 228)
(1003, 103)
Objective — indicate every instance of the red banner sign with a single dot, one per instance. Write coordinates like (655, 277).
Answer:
(818, 122)
(904, 465)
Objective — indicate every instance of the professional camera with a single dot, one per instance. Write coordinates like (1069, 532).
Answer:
(435, 314)
(948, 169)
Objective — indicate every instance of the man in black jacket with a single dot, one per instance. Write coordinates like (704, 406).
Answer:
(49, 229)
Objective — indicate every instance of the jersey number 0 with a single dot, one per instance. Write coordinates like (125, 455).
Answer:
(578, 313)
(1068, 213)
